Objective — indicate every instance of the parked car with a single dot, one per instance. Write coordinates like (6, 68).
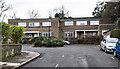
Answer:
(108, 44)
(66, 42)
(117, 49)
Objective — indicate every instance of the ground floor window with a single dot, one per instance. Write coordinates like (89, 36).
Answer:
(30, 35)
(69, 34)
(46, 34)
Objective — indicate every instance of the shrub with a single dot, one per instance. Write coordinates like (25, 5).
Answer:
(6, 32)
(16, 33)
(115, 33)
(50, 43)
(43, 41)
(37, 43)
(12, 32)
(90, 40)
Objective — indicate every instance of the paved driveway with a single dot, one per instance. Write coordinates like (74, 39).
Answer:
(72, 56)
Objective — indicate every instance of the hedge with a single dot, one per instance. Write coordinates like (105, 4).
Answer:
(115, 33)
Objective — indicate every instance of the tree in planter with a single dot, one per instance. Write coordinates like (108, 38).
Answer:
(5, 32)
(16, 33)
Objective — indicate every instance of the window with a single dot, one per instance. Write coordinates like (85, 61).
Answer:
(68, 23)
(89, 33)
(94, 22)
(81, 23)
(22, 24)
(68, 34)
(94, 33)
(46, 34)
(32, 24)
(46, 23)
(35, 35)
(30, 35)
(26, 35)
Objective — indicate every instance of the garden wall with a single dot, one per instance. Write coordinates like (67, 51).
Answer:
(9, 51)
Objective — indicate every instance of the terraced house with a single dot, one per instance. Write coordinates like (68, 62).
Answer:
(64, 28)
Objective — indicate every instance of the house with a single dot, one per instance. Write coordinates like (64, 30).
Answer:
(64, 28)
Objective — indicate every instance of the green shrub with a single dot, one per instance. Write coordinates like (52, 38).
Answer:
(115, 33)
(58, 43)
(90, 40)
(37, 43)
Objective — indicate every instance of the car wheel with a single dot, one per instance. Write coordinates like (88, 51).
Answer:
(115, 54)
(105, 50)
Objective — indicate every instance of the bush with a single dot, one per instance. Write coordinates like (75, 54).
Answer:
(115, 33)
(50, 43)
(42, 41)
(90, 40)
(37, 43)
(12, 32)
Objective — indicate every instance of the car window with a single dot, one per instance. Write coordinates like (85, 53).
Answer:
(112, 40)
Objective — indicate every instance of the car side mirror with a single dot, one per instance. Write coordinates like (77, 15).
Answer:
(104, 41)
(118, 42)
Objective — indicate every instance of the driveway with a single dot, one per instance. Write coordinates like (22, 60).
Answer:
(72, 56)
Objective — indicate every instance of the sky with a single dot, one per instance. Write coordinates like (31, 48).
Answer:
(76, 8)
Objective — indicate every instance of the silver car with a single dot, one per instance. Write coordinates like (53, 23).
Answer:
(108, 44)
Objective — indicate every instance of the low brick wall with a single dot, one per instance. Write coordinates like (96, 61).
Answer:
(9, 51)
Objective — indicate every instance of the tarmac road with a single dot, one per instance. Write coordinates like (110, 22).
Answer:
(72, 56)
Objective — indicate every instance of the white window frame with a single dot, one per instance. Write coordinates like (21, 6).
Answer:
(94, 22)
(69, 34)
(22, 24)
(34, 24)
(68, 23)
(46, 34)
(46, 23)
(81, 22)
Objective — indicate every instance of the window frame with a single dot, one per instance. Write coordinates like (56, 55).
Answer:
(79, 23)
(23, 24)
(67, 23)
(93, 22)
(45, 25)
(34, 24)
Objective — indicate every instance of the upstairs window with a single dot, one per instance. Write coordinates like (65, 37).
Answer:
(32, 24)
(94, 22)
(81, 23)
(22, 24)
(46, 23)
(68, 23)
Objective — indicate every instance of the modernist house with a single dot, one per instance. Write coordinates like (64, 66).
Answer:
(64, 28)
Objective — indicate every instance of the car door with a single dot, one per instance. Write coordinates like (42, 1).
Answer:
(103, 43)
(118, 47)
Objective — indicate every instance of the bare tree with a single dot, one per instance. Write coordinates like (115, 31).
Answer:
(33, 14)
(61, 12)
(13, 16)
(3, 8)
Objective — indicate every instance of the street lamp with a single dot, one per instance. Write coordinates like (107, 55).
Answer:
(49, 24)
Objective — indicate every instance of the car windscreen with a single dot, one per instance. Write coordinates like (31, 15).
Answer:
(112, 40)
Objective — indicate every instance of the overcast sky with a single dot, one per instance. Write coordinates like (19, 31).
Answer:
(77, 8)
